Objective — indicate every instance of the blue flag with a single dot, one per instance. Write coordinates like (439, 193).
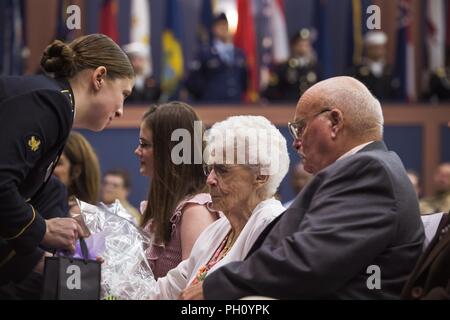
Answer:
(357, 28)
(62, 32)
(12, 37)
(206, 19)
(323, 43)
(173, 66)
(405, 66)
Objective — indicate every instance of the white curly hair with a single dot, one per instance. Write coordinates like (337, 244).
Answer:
(253, 141)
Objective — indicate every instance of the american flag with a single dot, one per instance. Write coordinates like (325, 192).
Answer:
(272, 36)
(405, 60)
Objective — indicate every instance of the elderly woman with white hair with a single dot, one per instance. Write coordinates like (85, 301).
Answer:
(247, 160)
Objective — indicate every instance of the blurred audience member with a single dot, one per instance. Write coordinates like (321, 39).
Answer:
(292, 78)
(430, 278)
(116, 184)
(146, 88)
(299, 179)
(440, 82)
(440, 201)
(414, 178)
(78, 168)
(177, 209)
(218, 73)
(374, 71)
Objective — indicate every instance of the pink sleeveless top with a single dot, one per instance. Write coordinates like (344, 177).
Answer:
(163, 258)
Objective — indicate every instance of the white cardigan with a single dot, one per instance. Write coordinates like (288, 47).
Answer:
(177, 279)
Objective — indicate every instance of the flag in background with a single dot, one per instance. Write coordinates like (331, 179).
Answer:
(448, 26)
(12, 44)
(140, 22)
(279, 31)
(319, 29)
(173, 65)
(435, 21)
(206, 19)
(272, 39)
(357, 30)
(62, 32)
(405, 61)
(264, 41)
(356, 45)
(140, 31)
(108, 19)
(245, 38)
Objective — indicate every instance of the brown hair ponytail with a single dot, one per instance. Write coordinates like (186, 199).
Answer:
(86, 52)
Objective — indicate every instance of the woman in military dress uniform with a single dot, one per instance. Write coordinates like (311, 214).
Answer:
(85, 85)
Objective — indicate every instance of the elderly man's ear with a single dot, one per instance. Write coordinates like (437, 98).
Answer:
(337, 121)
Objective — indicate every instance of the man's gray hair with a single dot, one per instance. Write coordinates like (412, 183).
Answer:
(356, 102)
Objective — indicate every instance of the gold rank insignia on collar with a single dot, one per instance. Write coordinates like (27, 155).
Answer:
(34, 143)
(68, 94)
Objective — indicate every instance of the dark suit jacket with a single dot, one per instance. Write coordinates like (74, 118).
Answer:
(359, 211)
(431, 276)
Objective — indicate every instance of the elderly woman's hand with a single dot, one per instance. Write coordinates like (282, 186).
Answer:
(193, 292)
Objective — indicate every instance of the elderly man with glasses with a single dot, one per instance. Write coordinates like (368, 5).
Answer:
(354, 232)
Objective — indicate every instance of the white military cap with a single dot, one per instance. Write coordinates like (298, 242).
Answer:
(137, 48)
(375, 38)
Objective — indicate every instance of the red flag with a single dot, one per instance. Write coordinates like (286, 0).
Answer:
(108, 19)
(435, 18)
(245, 38)
(279, 32)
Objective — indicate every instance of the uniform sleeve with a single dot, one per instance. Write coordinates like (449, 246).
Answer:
(17, 267)
(31, 125)
(195, 81)
(51, 202)
(339, 219)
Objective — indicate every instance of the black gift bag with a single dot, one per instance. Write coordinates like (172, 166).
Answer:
(68, 278)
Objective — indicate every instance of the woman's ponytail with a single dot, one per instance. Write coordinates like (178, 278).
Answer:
(86, 52)
(59, 59)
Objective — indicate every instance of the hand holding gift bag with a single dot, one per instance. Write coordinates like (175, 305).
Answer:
(126, 274)
(72, 278)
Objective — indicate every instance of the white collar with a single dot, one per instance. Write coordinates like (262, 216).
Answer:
(354, 150)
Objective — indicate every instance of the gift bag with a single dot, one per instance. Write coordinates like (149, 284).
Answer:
(126, 273)
(71, 278)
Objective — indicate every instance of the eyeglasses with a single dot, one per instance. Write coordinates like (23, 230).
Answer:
(297, 128)
(219, 169)
(223, 169)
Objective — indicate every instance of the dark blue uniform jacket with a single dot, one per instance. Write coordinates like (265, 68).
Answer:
(36, 116)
